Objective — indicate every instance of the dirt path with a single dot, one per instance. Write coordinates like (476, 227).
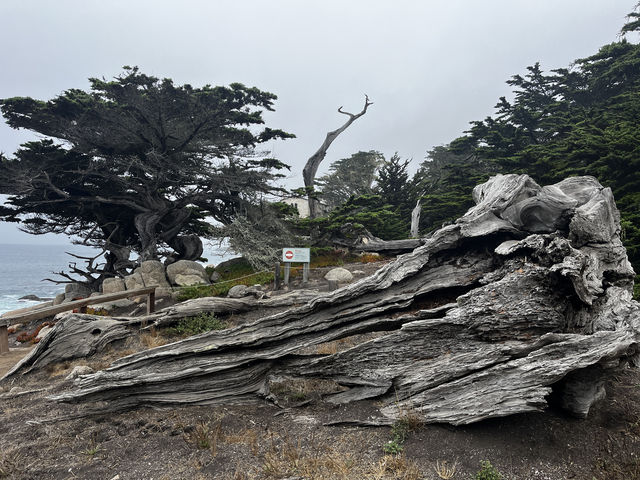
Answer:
(8, 360)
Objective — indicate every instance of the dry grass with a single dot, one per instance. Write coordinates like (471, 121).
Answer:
(298, 390)
(246, 436)
(10, 462)
(287, 458)
(152, 339)
(446, 470)
(205, 436)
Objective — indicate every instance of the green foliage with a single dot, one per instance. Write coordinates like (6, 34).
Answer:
(194, 291)
(488, 472)
(399, 431)
(572, 121)
(204, 322)
(138, 162)
(363, 212)
(349, 177)
(636, 288)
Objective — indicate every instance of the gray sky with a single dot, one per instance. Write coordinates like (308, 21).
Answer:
(430, 67)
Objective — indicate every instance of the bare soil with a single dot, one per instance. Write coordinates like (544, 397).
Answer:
(40, 439)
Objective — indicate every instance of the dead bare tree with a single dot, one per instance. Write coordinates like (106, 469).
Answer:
(311, 168)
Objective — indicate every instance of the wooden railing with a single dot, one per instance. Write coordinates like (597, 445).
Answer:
(26, 315)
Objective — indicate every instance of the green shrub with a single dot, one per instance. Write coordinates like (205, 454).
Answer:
(204, 322)
(194, 291)
(488, 472)
(399, 430)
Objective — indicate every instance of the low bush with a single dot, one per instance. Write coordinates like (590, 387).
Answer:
(204, 322)
(488, 472)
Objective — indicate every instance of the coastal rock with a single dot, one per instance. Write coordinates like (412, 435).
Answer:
(34, 298)
(188, 280)
(340, 275)
(113, 285)
(112, 305)
(187, 268)
(237, 291)
(59, 298)
(153, 273)
(75, 291)
(134, 281)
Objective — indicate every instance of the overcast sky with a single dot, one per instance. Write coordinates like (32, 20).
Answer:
(429, 66)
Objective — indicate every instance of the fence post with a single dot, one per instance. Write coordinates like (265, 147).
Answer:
(4, 338)
(305, 272)
(276, 285)
(287, 271)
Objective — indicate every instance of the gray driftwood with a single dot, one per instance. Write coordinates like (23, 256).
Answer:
(526, 295)
(81, 335)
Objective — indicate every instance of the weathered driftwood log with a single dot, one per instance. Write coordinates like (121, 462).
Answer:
(542, 290)
(359, 239)
(80, 335)
(75, 336)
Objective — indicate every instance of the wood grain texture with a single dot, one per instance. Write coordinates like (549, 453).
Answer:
(527, 294)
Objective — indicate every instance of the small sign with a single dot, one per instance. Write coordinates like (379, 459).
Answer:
(300, 255)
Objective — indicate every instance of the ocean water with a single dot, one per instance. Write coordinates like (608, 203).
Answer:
(23, 268)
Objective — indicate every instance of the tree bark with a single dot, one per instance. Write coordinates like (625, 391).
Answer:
(485, 319)
(415, 220)
(311, 167)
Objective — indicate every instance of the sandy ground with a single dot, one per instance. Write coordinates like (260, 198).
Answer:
(8, 360)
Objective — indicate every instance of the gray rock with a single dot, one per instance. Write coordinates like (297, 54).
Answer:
(340, 275)
(34, 298)
(59, 299)
(79, 370)
(238, 291)
(186, 268)
(113, 285)
(112, 305)
(75, 291)
(185, 280)
(215, 276)
(134, 281)
(153, 273)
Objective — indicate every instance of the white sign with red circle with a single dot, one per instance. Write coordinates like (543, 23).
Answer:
(301, 255)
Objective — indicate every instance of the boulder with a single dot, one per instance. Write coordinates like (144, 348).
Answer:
(240, 291)
(134, 281)
(112, 305)
(187, 268)
(74, 291)
(214, 277)
(153, 273)
(113, 285)
(187, 280)
(340, 275)
(237, 291)
(59, 299)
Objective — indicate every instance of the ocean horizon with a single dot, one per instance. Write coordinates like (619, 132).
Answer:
(23, 268)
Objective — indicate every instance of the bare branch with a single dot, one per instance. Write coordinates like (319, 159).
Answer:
(311, 168)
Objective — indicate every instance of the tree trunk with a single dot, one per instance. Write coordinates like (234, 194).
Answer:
(485, 319)
(415, 220)
(311, 167)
